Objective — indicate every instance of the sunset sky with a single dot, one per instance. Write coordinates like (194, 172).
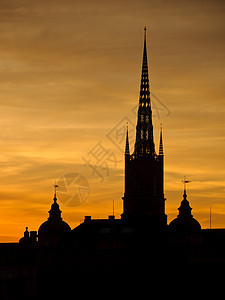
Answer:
(69, 82)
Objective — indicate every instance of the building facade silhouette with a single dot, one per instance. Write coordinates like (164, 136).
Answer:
(144, 195)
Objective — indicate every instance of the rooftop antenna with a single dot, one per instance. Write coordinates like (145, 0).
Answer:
(113, 208)
(210, 218)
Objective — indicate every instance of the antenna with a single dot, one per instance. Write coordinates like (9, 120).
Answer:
(210, 218)
(113, 207)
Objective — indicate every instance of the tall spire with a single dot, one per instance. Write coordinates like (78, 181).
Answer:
(144, 200)
(144, 89)
(161, 142)
(144, 144)
(127, 149)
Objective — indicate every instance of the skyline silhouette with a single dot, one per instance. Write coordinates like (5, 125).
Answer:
(137, 248)
(70, 81)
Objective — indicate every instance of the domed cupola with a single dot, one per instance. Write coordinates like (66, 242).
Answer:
(185, 209)
(185, 223)
(55, 212)
(51, 230)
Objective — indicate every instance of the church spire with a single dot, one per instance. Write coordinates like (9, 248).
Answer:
(144, 89)
(144, 144)
(161, 142)
(127, 149)
(144, 200)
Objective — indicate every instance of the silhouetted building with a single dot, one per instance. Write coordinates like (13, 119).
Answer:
(54, 229)
(185, 223)
(138, 248)
(29, 237)
(144, 196)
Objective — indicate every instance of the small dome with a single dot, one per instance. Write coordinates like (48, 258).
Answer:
(54, 224)
(53, 227)
(185, 223)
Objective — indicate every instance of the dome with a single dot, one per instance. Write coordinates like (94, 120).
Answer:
(54, 224)
(185, 223)
(53, 227)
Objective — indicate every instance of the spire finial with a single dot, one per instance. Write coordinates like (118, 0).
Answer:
(185, 186)
(55, 187)
(185, 209)
(55, 212)
(145, 47)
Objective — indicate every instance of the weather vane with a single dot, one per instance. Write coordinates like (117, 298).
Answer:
(185, 182)
(55, 186)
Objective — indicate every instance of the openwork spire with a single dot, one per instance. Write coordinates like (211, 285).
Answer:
(144, 89)
(161, 142)
(144, 144)
(127, 149)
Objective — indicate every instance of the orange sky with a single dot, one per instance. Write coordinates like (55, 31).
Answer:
(69, 81)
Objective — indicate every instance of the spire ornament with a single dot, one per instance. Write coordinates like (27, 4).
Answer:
(185, 185)
(55, 187)
(185, 209)
(55, 212)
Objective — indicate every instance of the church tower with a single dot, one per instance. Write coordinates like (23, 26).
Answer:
(143, 201)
